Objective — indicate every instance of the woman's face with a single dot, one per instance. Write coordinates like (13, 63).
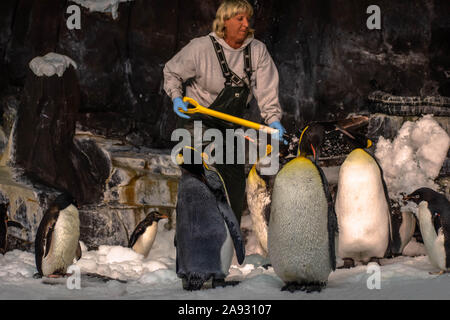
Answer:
(236, 28)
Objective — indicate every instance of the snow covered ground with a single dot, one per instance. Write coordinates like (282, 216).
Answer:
(418, 145)
(155, 278)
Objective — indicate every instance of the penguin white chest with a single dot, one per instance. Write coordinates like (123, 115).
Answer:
(145, 241)
(361, 208)
(226, 252)
(298, 236)
(434, 243)
(64, 242)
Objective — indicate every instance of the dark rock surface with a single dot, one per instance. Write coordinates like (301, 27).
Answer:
(328, 60)
(43, 142)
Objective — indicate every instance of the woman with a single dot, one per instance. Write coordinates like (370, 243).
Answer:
(224, 70)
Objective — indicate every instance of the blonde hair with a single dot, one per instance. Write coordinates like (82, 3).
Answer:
(228, 9)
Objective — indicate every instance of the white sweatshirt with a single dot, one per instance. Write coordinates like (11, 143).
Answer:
(198, 63)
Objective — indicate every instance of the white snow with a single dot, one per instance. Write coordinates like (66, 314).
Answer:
(51, 64)
(414, 158)
(101, 5)
(155, 278)
(404, 277)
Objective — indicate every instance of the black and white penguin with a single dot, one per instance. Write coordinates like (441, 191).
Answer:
(57, 238)
(302, 223)
(403, 226)
(259, 197)
(206, 228)
(362, 207)
(5, 223)
(142, 238)
(434, 221)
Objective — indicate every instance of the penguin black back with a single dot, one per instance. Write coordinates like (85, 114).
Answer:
(63, 201)
(46, 227)
(311, 138)
(439, 207)
(153, 216)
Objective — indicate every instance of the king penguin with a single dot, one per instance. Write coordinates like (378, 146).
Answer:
(302, 220)
(363, 208)
(142, 238)
(5, 223)
(206, 227)
(56, 243)
(259, 198)
(434, 222)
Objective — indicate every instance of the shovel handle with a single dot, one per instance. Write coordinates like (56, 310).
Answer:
(213, 113)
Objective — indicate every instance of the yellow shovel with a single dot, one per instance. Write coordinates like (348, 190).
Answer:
(213, 113)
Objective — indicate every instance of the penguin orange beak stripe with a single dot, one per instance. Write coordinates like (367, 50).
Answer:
(314, 152)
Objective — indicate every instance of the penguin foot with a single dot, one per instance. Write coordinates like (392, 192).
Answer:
(348, 263)
(222, 283)
(266, 266)
(440, 273)
(308, 287)
(193, 283)
(294, 286)
(315, 286)
(37, 275)
(59, 275)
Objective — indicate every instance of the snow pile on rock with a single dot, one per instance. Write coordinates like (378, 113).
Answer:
(51, 64)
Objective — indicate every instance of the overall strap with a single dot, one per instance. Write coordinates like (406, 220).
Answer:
(228, 74)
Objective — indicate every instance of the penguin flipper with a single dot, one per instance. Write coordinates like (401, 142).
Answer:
(44, 233)
(78, 253)
(332, 220)
(217, 186)
(140, 229)
(234, 229)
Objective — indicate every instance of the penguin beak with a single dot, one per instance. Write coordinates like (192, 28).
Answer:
(162, 216)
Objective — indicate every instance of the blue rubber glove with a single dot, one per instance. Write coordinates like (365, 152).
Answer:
(277, 125)
(179, 104)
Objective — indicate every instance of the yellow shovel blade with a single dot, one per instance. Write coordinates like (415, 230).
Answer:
(216, 114)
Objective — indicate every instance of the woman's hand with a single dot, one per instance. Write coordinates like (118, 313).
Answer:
(277, 125)
(179, 104)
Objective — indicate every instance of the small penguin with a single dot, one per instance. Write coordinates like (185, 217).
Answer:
(403, 228)
(5, 223)
(57, 238)
(302, 227)
(434, 222)
(141, 241)
(362, 207)
(259, 198)
(206, 228)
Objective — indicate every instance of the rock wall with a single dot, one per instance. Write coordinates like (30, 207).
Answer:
(328, 60)
(330, 65)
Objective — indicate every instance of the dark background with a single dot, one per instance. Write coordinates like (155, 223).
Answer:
(327, 58)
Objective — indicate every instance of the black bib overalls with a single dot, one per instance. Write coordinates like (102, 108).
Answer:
(233, 101)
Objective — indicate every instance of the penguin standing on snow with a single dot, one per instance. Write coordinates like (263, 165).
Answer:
(206, 228)
(363, 208)
(56, 243)
(302, 220)
(4, 224)
(141, 241)
(259, 198)
(434, 222)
